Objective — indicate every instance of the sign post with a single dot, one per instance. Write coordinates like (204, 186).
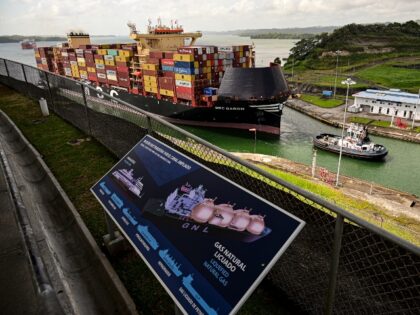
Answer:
(207, 240)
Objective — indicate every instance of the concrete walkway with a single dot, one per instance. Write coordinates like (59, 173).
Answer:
(334, 116)
(18, 294)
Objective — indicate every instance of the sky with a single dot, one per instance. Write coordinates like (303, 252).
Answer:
(106, 17)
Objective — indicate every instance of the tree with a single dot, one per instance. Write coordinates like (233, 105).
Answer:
(277, 60)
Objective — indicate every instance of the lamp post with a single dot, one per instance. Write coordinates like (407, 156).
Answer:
(347, 82)
(337, 52)
(255, 138)
(415, 110)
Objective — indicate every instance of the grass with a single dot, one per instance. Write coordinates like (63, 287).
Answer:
(77, 168)
(389, 76)
(371, 122)
(320, 101)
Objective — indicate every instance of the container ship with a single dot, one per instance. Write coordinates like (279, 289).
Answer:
(28, 44)
(198, 85)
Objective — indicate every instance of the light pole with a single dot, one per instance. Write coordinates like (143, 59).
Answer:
(347, 82)
(255, 138)
(415, 110)
(337, 52)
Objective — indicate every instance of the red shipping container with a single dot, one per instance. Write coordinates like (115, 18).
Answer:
(168, 54)
(151, 73)
(124, 69)
(156, 54)
(169, 74)
(154, 61)
(129, 47)
(112, 82)
(100, 71)
(122, 64)
(168, 62)
(99, 57)
(92, 77)
(185, 90)
(123, 75)
(114, 68)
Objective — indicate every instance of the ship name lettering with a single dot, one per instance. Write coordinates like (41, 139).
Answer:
(165, 270)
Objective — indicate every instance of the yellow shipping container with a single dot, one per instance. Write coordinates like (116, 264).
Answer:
(183, 57)
(208, 63)
(151, 89)
(74, 68)
(150, 66)
(99, 61)
(125, 53)
(122, 58)
(90, 69)
(209, 76)
(166, 92)
(109, 62)
(150, 78)
(81, 64)
(37, 55)
(102, 52)
(150, 84)
(84, 72)
(81, 59)
(186, 77)
(75, 74)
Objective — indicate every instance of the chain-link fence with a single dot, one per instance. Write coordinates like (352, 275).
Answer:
(339, 263)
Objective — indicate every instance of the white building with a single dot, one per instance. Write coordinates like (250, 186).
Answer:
(391, 102)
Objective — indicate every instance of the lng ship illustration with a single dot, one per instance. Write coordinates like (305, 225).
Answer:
(170, 262)
(188, 207)
(199, 85)
(187, 282)
(126, 178)
(144, 231)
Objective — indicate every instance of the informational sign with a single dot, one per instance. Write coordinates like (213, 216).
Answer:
(208, 240)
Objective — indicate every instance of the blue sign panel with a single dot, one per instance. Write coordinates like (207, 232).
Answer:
(208, 240)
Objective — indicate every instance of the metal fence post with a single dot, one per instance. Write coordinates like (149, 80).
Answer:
(26, 80)
(86, 109)
(110, 225)
(335, 259)
(149, 125)
(7, 69)
(49, 91)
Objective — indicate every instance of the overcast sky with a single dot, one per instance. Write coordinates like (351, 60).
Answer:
(48, 17)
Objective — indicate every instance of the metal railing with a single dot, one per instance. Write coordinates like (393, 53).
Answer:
(338, 264)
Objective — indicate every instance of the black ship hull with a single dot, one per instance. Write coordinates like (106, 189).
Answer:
(240, 115)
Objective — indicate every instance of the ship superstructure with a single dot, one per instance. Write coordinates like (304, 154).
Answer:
(182, 200)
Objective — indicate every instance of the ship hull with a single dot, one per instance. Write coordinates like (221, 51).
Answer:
(238, 115)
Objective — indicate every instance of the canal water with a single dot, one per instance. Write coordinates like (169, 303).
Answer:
(399, 170)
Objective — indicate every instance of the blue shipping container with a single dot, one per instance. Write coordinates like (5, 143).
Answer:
(184, 70)
(167, 68)
(210, 91)
(184, 64)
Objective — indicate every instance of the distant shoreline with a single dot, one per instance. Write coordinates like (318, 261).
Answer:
(18, 38)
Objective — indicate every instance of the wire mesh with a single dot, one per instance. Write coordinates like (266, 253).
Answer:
(377, 273)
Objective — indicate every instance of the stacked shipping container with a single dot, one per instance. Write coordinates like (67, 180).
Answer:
(190, 74)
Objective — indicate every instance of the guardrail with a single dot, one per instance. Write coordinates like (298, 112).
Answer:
(338, 264)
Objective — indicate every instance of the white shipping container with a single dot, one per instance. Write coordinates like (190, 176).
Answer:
(64, 54)
(112, 77)
(78, 51)
(225, 48)
(242, 59)
(44, 61)
(73, 62)
(111, 72)
(109, 57)
(183, 83)
(81, 59)
(101, 75)
(200, 50)
(83, 76)
(100, 66)
(67, 71)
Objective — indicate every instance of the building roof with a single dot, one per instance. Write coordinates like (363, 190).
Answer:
(392, 95)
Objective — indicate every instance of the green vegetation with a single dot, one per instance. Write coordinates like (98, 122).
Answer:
(374, 55)
(84, 164)
(371, 122)
(281, 36)
(320, 101)
(19, 38)
(391, 76)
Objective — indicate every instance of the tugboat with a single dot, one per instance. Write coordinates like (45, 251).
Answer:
(356, 144)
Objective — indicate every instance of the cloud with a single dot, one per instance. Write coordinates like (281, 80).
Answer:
(110, 16)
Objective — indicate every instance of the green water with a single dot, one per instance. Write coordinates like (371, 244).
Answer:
(399, 170)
